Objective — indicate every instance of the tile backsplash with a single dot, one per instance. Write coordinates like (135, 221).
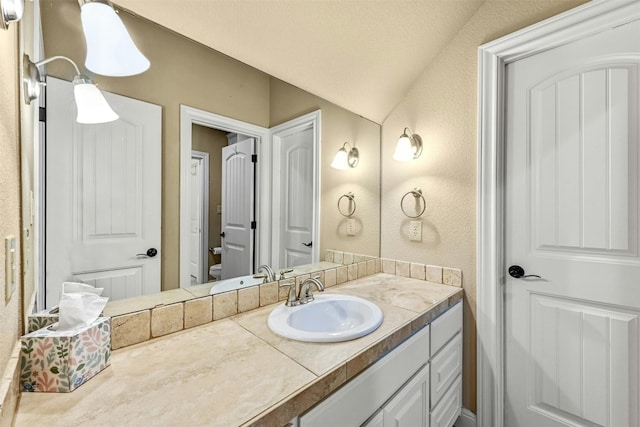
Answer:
(133, 328)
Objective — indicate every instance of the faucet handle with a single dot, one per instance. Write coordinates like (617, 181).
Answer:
(292, 299)
(264, 277)
(283, 272)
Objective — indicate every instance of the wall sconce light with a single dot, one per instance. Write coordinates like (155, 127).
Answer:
(91, 105)
(409, 146)
(110, 50)
(346, 159)
(11, 11)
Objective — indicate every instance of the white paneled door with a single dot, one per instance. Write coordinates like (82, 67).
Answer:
(572, 185)
(103, 189)
(237, 209)
(294, 181)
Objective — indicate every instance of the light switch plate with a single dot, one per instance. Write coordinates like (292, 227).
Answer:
(11, 266)
(415, 231)
(351, 227)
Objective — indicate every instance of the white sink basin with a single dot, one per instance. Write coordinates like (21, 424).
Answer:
(329, 318)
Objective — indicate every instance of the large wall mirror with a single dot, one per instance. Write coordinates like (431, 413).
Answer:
(224, 109)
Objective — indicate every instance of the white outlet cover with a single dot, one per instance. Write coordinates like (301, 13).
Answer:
(415, 231)
(351, 227)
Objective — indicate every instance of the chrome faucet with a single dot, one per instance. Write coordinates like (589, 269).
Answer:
(292, 300)
(270, 274)
(305, 294)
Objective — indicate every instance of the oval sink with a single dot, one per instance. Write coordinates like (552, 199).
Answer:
(329, 318)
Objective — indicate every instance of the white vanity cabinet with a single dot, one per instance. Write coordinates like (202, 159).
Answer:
(418, 384)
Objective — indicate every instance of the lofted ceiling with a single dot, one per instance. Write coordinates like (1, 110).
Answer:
(363, 55)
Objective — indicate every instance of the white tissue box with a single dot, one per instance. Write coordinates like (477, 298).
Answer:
(54, 361)
(42, 319)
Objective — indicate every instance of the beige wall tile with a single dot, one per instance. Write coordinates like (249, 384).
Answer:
(198, 312)
(362, 269)
(434, 273)
(225, 305)
(338, 257)
(452, 276)
(389, 266)
(167, 319)
(248, 298)
(268, 293)
(342, 275)
(402, 268)
(352, 271)
(348, 258)
(378, 265)
(328, 256)
(359, 258)
(130, 329)
(417, 271)
(371, 267)
(330, 278)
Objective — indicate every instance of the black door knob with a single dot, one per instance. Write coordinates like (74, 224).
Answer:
(517, 272)
(308, 244)
(222, 234)
(151, 252)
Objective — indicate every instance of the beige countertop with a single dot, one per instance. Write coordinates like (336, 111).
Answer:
(236, 371)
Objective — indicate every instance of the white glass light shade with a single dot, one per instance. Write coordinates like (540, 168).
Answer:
(92, 107)
(404, 150)
(341, 160)
(110, 50)
(11, 11)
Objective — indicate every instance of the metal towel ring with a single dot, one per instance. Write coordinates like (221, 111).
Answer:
(351, 198)
(416, 192)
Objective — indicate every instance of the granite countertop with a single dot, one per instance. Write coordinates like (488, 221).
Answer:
(235, 371)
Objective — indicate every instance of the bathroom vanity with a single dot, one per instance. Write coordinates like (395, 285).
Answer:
(418, 384)
(235, 371)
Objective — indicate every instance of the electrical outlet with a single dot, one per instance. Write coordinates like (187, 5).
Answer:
(11, 266)
(415, 231)
(351, 227)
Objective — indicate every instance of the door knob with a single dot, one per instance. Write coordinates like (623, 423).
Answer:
(517, 272)
(222, 234)
(308, 244)
(151, 252)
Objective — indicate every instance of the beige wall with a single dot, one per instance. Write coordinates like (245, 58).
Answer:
(441, 106)
(182, 72)
(338, 126)
(11, 310)
(211, 141)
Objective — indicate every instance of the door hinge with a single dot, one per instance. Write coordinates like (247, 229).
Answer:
(42, 114)
(254, 225)
(254, 158)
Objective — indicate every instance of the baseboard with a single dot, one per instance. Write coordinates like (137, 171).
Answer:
(10, 388)
(466, 419)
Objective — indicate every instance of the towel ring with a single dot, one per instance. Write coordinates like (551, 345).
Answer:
(416, 192)
(351, 198)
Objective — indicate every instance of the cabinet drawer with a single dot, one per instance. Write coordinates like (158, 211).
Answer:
(446, 366)
(356, 401)
(448, 410)
(445, 327)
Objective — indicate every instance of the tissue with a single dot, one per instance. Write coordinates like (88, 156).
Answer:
(79, 309)
(80, 304)
(68, 287)
(44, 318)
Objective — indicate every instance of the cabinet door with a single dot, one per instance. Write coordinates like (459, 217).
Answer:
(377, 421)
(410, 407)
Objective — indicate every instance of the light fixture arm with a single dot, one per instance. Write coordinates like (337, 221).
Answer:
(53, 58)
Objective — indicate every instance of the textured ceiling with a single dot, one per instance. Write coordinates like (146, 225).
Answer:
(360, 54)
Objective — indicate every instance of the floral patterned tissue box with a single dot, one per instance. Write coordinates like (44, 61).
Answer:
(42, 319)
(53, 361)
